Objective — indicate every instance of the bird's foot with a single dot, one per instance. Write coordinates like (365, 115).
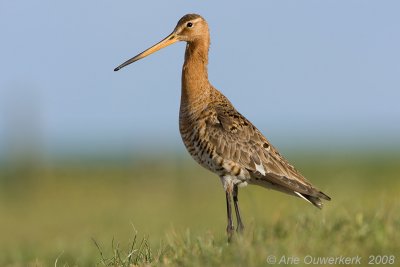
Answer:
(240, 228)
(230, 230)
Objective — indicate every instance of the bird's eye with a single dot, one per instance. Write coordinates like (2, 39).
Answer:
(189, 25)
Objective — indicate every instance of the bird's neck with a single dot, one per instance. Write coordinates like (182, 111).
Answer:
(195, 84)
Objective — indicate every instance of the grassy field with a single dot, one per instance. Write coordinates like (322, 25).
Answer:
(169, 212)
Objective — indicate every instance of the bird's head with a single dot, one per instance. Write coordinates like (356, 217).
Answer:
(190, 28)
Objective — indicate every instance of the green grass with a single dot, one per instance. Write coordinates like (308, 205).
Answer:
(172, 212)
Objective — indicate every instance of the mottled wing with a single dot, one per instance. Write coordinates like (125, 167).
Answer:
(237, 140)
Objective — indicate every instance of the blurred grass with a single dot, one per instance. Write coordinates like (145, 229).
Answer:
(53, 211)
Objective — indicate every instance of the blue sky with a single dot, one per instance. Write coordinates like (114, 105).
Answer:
(301, 71)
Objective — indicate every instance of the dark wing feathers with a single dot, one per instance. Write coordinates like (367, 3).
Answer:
(237, 139)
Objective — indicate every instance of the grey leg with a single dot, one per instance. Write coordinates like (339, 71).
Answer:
(229, 228)
(240, 225)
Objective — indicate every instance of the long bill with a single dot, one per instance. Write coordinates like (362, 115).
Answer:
(170, 39)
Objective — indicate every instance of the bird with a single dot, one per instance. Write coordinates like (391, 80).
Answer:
(220, 138)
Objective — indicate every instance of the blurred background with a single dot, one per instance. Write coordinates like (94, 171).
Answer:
(87, 152)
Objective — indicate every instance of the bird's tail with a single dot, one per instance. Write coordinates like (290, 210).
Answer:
(315, 200)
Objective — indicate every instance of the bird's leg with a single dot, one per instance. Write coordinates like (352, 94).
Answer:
(240, 225)
(229, 228)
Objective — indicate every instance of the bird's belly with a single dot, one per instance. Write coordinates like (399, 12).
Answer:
(204, 153)
(201, 150)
